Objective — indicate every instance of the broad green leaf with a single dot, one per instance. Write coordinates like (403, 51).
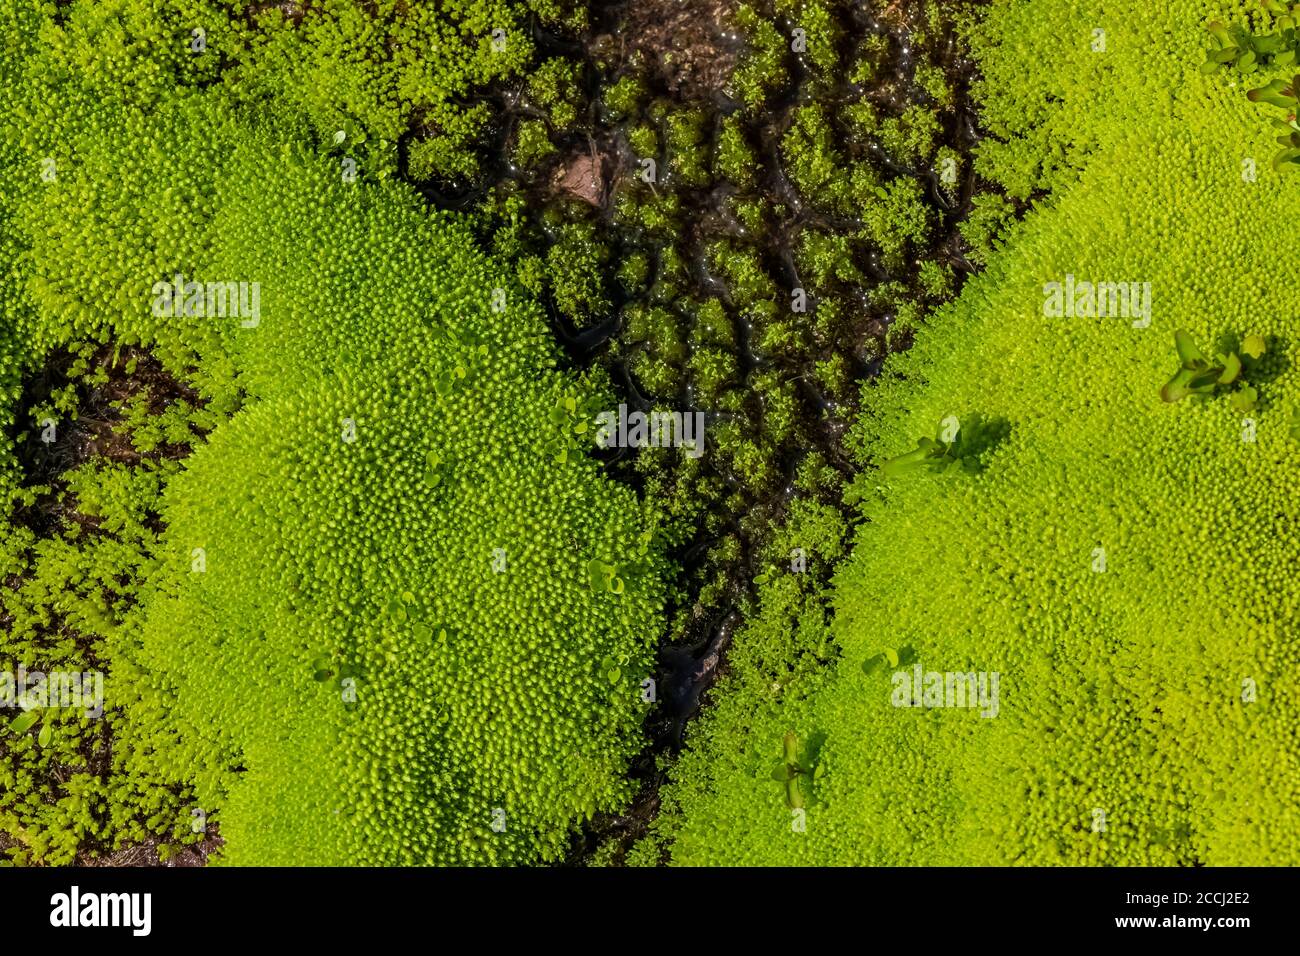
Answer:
(1231, 369)
(24, 722)
(1176, 389)
(793, 795)
(1243, 400)
(906, 462)
(1187, 350)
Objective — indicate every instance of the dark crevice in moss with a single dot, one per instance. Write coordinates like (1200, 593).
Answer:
(720, 241)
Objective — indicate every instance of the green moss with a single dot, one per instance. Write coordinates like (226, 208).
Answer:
(936, 279)
(713, 326)
(324, 619)
(685, 142)
(643, 141)
(633, 273)
(744, 273)
(933, 80)
(814, 162)
(911, 136)
(532, 143)
(735, 159)
(365, 69)
(625, 97)
(763, 70)
(897, 221)
(553, 87)
(1050, 563)
(574, 266)
(827, 257)
(872, 51)
(988, 217)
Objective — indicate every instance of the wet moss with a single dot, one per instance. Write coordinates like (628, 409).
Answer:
(766, 242)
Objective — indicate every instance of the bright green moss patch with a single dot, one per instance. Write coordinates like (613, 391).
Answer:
(1123, 565)
(356, 624)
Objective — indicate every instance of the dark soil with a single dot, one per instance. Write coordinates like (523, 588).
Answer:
(688, 43)
(146, 854)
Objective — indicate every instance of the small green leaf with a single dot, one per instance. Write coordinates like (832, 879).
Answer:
(323, 669)
(24, 722)
(1244, 399)
(1188, 353)
(397, 610)
(1176, 389)
(597, 574)
(46, 734)
(1231, 369)
(1288, 155)
(873, 663)
(1253, 346)
(906, 462)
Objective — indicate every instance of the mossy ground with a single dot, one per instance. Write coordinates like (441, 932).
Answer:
(1123, 563)
(755, 210)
